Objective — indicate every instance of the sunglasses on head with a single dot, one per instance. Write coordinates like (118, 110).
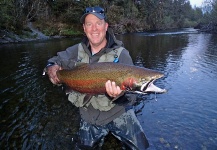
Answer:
(94, 9)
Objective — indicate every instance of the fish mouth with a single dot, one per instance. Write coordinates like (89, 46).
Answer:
(150, 87)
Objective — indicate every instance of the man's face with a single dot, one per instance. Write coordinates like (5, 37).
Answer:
(95, 30)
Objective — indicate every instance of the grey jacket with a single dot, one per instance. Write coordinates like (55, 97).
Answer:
(69, 57)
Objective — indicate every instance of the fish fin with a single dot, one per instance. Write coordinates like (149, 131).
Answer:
(87, 98)
(121, 94)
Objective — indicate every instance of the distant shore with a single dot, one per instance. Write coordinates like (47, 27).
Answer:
(11, 37)
(34, 34)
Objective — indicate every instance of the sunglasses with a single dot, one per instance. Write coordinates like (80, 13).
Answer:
(94, 9)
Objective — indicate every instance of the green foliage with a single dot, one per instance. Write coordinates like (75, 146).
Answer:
(50, 31)
(168, 22)
(214, 11)
(123, 15)
(210, 12)
(59, 7)
(7, 16)
(72, 15)
(70, 32)
(114, 14)
(189, 23)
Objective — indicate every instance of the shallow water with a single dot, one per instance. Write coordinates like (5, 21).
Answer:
(36, 115)
(186, 116)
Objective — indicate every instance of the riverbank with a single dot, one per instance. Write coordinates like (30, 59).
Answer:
(207, 28)
(33, 32)
(24, 36)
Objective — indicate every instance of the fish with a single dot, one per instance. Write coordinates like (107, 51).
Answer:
(91, 78)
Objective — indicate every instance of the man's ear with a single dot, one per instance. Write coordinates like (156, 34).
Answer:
(83, 26)
(106, 26)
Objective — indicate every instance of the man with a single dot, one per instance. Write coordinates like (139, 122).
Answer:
(100, 116)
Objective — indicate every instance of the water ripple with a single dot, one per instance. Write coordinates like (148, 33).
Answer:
(36, 115)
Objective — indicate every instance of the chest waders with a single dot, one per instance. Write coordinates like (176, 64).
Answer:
(124, 127)
(100, 102)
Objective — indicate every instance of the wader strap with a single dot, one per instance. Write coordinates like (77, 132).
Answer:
(112, 56)
(82, 55)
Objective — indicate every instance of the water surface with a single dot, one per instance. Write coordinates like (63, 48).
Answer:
(186, 116)
(36, 115)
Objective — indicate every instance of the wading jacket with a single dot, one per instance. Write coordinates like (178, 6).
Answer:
(81, 52)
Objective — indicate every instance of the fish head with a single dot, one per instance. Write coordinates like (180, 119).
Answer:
(149, 87)
(145, 82)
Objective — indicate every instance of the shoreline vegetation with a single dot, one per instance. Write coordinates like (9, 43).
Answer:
(31, 33)
(34, 34)
(41, 20)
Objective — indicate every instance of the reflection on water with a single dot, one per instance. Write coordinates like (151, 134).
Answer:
(36, 115)
(186, 116)
(29, 103)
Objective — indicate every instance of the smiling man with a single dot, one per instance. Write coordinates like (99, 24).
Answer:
(95, 30)
(100, 116)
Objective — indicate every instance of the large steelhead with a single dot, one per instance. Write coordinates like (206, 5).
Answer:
(91, 78)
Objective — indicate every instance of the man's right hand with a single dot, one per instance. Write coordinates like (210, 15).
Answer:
(112, 89)
(52, 73)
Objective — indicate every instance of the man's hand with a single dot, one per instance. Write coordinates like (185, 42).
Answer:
(112, 89)
(52, 73)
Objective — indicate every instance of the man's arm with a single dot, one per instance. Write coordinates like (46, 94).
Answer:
(52, 73)
(64, 59)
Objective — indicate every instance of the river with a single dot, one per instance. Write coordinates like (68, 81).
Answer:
(36, 115)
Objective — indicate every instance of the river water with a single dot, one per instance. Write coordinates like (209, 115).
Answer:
(36, 115)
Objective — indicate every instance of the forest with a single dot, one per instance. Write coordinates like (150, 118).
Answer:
(62, 17)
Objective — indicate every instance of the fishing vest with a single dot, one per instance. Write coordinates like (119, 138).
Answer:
(100, 102)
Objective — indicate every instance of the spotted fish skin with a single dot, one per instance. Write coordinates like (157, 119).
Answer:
(91, 78)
